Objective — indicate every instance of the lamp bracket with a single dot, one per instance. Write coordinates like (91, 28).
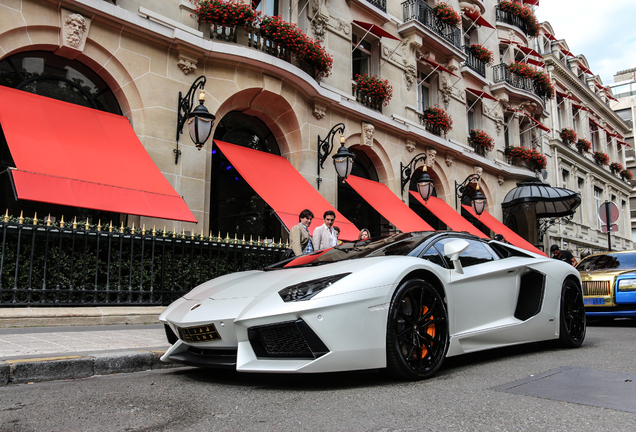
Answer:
(461, 188)
(407, 170)
(185, 108)
(325, 147)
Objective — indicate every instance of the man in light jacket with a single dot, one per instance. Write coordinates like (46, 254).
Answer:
(299, 238)
(325, 236)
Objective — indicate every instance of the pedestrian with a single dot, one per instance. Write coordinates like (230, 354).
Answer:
(299, 238)
(364, 234)
(337, 230)
(325, 236)
(564, 255)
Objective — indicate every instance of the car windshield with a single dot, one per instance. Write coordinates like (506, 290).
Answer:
(622, 261)
(396, 244)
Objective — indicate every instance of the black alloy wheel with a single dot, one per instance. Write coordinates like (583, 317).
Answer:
(572, 319)
(417, 331)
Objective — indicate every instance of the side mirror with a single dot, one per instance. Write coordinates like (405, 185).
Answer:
(453, 250)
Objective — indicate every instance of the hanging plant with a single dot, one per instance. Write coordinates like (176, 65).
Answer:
(446, 14)
(374, 87)
(583, 145)
(616, 167)
(482, 53)
(541, 81)
(568, 136)
(437, 118)
(601, 158)
(226, 13)
(627, 175)
(535, 159)
(524, 13)
(481, 141)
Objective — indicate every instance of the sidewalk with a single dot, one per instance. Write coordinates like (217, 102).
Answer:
(33, 354)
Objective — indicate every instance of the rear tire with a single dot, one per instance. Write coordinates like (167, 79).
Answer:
(417, 331)
(572, 316)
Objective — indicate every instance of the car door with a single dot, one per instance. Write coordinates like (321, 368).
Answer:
(484, 296)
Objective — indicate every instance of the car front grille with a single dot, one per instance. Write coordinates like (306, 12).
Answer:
(293, 339)
(596, 288)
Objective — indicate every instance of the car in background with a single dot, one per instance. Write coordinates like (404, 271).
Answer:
(403, 302)
(609, 284)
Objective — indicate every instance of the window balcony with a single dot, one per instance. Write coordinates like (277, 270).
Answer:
(513, 20)
(380, 4)
(502, 74)
(372, 102)
(473, 63)
(418, 10)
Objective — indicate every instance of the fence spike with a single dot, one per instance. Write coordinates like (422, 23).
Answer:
(202, 236)
(143, 230)
(62, 222)
(182, 232)
(35, 218)
(132, 230)
(87, 226)
(75, 222)
(235, 239)
(174, 232)
(219, 237)
(210, 235)
(99, 224)
(6, 216)
(154, 231)
(110, 227)
(251, 242)
(21, 219)
(286, 245)
(227, 238)
(192, 234)
(48, 222)
(259, 241)
(243, 241)
(164, 231)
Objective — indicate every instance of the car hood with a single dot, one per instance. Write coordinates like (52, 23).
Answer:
(257, 282)
(603, 274)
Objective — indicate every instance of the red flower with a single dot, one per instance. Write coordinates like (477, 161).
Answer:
(374, 87)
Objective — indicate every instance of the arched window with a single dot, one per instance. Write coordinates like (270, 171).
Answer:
(352, 205)
(234, 206)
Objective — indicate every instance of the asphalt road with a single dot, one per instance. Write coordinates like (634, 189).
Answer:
(460, 398)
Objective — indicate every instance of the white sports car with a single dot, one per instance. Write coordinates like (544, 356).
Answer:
(403, 302)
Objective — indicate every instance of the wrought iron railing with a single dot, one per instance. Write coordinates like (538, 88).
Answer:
(514, 20)
(367, 100)
(380, 4)
(502, 74)
(430, 127)
(473, 63)
(65, 266)
(424, 14)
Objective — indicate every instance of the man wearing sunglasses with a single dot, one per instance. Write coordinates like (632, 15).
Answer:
(325, 236)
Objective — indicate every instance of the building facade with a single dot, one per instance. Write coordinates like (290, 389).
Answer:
(449, 63)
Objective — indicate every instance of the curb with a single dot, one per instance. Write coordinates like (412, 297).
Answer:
(30, 370)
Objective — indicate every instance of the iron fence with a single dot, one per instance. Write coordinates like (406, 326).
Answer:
(512, 19)
(69, 266)
(418, 10)
(474, 63)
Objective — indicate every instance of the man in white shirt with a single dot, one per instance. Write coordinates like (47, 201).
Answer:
(325, 236)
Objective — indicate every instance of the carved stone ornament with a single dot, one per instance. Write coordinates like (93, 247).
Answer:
(319, 26)
(340, 25)
(74, 30)
(430, 156)
(500, 180)
(187, 65)
(410, 73)
(367, 134)
(449, 159)
(479, 171)
(410, 145)
(319, 110)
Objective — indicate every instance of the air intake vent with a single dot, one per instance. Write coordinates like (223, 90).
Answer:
(293, 339)
(530, 295)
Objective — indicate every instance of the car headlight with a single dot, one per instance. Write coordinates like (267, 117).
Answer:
(306, 290)
(627, 285)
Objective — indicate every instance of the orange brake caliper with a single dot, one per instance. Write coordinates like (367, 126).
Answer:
(430, 330)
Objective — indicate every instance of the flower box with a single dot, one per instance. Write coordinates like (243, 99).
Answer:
(601, 158)
(446, 14)
(541, 80)
(616, 167)
(374, 88)
(583, 145)
(535, 160)
(481, 141)
(437, 119)
(482, 53)
(524, 13)
(225, 13)
(568, 136)
(627, 175)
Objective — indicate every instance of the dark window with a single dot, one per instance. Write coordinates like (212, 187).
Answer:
(477, 252)
(433, 256)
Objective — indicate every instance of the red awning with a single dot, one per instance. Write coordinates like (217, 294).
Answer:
(479, 20)
(481, 94)
(438, 66)
(532, 2)
(388, 205)
(448, 215)
(565, 95)
(594, 121)
(535, 121)
(611, 97)
(584, 69)
(535, 62)
(499, 228)
(75, 156)
(566, 52)
(550, 36)
(275, 180)
(376, 30)
(580, 107)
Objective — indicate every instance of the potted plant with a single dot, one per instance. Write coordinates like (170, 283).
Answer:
(627, 175)
(568, 136)
(601, 158)
(540, 79)
(482, 53)
(525, 14)
(536, 159)
(616, 167)
(583, 145)
(436, 118)
(226, 13)
(481, 141)
(377, 89)
(446, 14)
(516, 152)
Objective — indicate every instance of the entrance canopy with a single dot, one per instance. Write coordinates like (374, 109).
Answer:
(388, 205)
(448, 215)
(499, 228)
(548, 201)
(283, 188)
(80, 157)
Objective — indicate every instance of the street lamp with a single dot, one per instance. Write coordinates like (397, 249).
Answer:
(425, 184)
(477, 200)
(342, 160)
(200, 121)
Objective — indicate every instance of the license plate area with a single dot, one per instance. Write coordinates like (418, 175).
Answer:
(594, 301)
(204, 333)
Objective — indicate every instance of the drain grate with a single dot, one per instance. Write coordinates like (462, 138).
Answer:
(593, 387)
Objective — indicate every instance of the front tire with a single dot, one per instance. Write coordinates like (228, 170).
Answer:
(417, 331)
(572, 316)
